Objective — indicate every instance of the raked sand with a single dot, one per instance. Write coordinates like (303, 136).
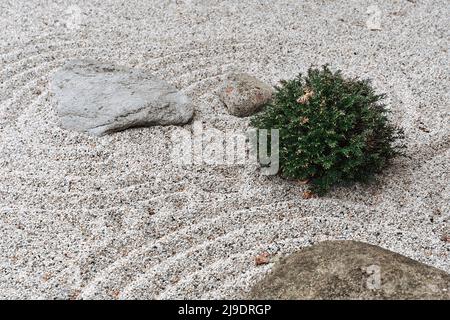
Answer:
(113, 217)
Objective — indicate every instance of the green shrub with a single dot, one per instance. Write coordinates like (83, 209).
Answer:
(333, 130)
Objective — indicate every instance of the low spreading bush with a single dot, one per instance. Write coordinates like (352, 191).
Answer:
(333, 130)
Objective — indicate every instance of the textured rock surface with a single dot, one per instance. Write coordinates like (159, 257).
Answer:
(346, 270)
(244, 94)
(101, 98)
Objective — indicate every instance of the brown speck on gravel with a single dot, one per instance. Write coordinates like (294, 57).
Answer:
(262, 258)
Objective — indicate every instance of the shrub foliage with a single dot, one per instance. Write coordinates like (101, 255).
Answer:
(333, 130)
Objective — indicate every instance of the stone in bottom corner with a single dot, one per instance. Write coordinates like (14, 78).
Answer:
(351, 270)
(100, 98)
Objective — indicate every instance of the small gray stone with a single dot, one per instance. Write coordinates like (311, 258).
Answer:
(351, 270)
(100, 98)
(244, 94)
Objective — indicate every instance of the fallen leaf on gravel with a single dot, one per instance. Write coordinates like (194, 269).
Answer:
(307, 194)
(115, 294)
(228, 90)
(303, 181)
(445, 238)
(262, 258)
(46, 277)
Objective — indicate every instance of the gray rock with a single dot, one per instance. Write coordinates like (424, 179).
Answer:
(348, 270)
(244, 94)
(100, 98)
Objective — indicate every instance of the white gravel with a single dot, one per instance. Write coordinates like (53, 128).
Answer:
(112, 217)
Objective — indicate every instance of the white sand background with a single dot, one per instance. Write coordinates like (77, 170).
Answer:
(113, 217)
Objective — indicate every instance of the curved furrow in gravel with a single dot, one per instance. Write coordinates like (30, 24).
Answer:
(233, 224)
(210, 252)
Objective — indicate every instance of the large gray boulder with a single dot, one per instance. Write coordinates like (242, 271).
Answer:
(351, 270)
(100, 98)
(243, 94)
